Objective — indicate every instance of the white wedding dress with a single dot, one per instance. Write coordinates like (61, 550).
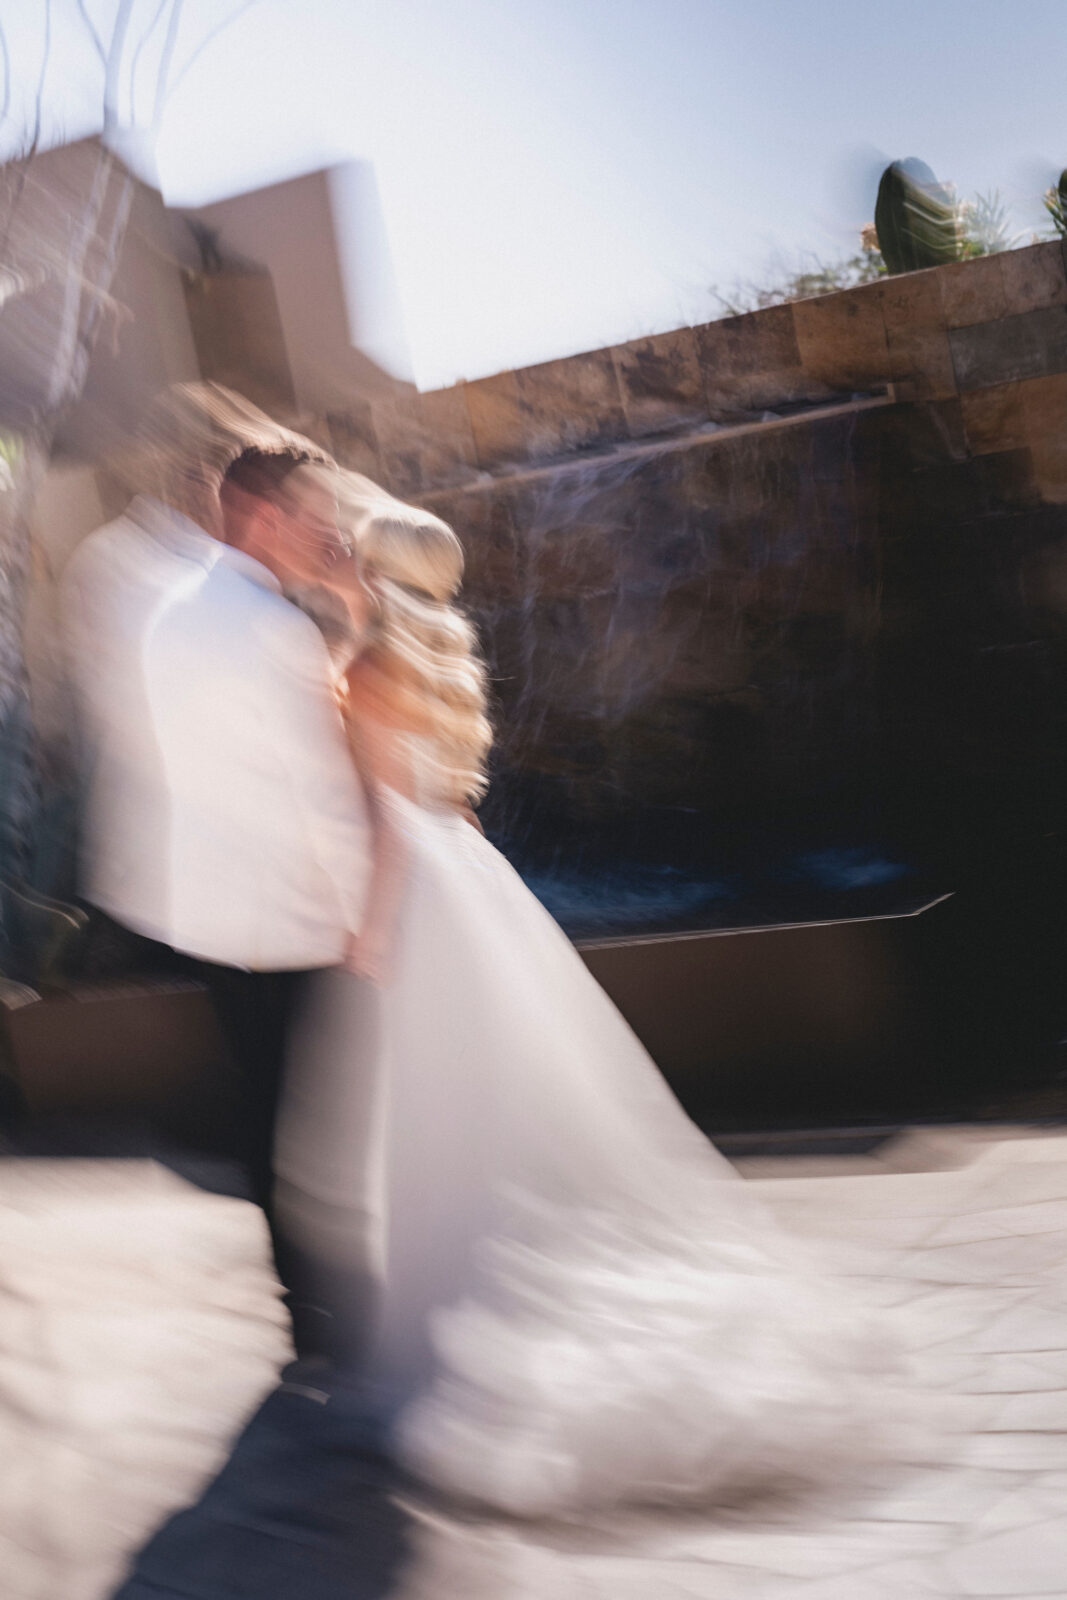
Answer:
(580, 1301)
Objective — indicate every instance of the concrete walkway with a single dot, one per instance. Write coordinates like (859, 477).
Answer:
(966, 1227)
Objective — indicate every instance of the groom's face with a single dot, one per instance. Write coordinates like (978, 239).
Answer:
(309, 540)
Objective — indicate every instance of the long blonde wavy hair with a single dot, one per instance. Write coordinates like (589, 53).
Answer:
(419, 638)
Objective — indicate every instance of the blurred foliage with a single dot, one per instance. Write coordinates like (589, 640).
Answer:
(1056, 205)
(984, 228)
(817, 277)
(10, 451)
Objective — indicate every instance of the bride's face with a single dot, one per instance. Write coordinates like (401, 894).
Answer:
(361, 600)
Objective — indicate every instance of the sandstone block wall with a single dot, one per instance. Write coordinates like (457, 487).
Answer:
(983, 342)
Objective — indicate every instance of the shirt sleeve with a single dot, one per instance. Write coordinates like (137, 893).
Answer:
(305, 726)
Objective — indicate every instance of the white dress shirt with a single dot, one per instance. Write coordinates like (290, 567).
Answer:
(222, 810)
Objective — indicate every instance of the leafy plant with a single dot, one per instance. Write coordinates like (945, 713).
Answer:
(814, 278)
(1055, 200)
(10, 450)
(983, 226)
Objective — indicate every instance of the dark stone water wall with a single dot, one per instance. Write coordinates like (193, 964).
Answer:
(807, 667)
(802, 669)
(682, 643)
(778, 597)
(972, 651)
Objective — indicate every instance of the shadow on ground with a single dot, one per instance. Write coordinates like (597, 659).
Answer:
(301, 1508)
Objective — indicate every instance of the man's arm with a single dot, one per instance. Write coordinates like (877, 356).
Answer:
(301, 715)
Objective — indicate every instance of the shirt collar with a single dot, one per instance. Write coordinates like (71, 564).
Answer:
(247, 566)
(180, 534)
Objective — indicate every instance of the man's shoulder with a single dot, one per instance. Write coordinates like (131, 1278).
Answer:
(136, 548)
(255, 617)
(109, 577)
(99, 546)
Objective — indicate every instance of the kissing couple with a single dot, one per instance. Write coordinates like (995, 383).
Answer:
(498, 1231)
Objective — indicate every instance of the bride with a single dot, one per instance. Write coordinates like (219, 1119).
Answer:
(577, 1301)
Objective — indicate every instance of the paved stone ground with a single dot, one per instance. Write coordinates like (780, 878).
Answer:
(966, 1226)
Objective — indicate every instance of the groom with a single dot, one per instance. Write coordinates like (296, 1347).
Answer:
(222, 817)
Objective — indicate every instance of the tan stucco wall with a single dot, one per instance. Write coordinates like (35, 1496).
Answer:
(289, 229)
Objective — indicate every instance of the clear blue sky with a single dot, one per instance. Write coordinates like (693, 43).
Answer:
(558, 174)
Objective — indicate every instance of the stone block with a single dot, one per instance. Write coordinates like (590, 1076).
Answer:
(425, 440)
(1034, 277)
(1049, 458)
(546, 410)
(1045, 410)
(575, 563)
(972, 291)
(995, 418)
(1045, 401)
(660, 382)
(911, 300)
(751, 363)
(920, 359)
(354, 441)
(842, 338)
(485, 521)
(496, 419)
(920, 363)
(570, 404)
(1030, 345)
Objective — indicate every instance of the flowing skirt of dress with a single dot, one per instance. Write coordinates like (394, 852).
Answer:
(579, 1301)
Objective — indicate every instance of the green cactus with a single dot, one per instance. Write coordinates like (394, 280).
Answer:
(915, 218)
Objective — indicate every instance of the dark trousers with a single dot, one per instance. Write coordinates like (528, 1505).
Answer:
(256, 1011)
